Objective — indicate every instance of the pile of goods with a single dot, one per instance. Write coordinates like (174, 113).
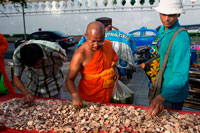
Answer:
(61, 116)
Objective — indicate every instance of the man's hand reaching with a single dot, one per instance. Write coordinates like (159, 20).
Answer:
(156, 106)
(28, 98)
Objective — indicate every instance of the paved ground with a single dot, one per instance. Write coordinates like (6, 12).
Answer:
(138, 84)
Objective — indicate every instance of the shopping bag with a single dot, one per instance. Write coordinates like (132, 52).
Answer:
(151, 68)
(155, 87)
(3, 89)
(122, 94)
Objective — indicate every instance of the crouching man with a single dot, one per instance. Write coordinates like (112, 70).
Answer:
(43, 61)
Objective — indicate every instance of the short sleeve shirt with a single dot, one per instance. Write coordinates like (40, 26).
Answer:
(46, 80)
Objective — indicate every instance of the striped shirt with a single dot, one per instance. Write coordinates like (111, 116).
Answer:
(47, 80)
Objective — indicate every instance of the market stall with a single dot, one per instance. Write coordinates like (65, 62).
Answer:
(193, 100)
(50, 115)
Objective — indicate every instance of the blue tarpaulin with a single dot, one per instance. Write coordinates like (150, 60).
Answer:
(123, 44)
(124, 38)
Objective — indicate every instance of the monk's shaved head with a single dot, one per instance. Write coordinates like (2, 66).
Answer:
(95, 35)
(95, 28)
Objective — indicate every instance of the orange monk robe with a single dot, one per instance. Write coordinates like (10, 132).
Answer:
(97, 82)
(3, 48)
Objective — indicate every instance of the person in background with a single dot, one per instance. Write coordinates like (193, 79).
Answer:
(6, 87)
(175, 83)
(95, 60)
(43, 61)
(108, 27)
(157, 28)
(40, 29)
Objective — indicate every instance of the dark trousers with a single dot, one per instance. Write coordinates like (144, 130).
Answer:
(173, 105)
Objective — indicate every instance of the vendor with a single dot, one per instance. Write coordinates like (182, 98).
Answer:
(5, 85)
(43, 61)
(175, 83)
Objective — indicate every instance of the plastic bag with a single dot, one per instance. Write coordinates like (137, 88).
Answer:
(122, 94)
(3, 89)
(124, 45)
(151, 68)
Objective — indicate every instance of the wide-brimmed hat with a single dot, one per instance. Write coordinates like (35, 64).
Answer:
(170, 7)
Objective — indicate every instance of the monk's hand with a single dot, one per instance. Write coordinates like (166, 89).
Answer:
(76, 100)
(156, 106)
(28, 98)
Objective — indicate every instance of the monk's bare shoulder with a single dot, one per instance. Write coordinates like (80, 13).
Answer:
(80, 53)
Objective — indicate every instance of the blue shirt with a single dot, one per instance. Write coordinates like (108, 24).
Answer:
(116, 36)
(175, 79)
(123, 44)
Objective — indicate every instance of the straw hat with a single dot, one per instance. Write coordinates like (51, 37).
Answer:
(170, 7)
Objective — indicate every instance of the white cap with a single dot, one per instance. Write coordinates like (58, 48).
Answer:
(170, 7)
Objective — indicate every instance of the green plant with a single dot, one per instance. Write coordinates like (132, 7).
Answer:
(123, 2)
(132, 2)
(193, 34)
(151, 2)
(114, 2)
(12, 1)
(106, 2)
(141, 2)
(6, 35)
(18, 35)
(22, 2)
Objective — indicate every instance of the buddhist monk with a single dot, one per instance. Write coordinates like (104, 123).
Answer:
(7, 84)
(95, 60)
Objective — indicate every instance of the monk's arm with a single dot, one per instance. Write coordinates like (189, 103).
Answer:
(75, 67)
